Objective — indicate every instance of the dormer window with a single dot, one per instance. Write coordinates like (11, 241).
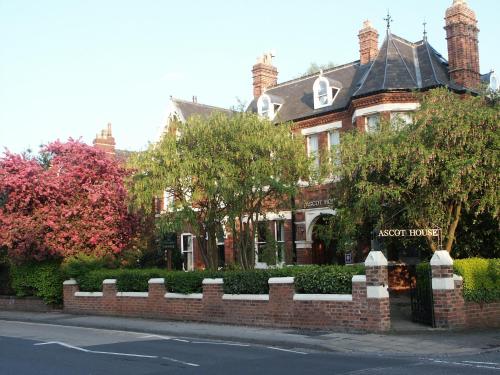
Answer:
(323, 93)
(325, 90)
(264, 112)
(269, 105)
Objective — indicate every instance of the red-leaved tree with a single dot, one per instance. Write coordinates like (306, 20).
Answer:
(70, 199)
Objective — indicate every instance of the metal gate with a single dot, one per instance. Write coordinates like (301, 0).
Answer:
(422, 304)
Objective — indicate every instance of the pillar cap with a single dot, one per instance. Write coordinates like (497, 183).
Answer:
(375, 259)
(441, 258)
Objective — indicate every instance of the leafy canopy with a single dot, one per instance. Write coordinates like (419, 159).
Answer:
(222, 171)
(425, 174)
(68, 200)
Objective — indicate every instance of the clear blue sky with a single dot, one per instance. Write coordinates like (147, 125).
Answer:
(68, 67)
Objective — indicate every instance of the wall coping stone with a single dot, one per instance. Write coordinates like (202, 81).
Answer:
(322, 297)
(375, 259)
(359, 279)
(212, 281)
(159, 280)
(184, 296)
(109, 281)
(132, 294)
(457, 278)
(441, 258)
(443, 283)
(246, 297)
(281, 280)
(70, 282)
(88, 294)
(377, 291)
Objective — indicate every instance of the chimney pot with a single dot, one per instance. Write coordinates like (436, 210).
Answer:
(368, 43)
(264, 74)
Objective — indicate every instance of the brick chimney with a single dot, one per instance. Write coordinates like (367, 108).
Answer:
(264, 74)
(463, 53)
(105, 141)
(368, 43)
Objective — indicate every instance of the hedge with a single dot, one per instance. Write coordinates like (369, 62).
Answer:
(327, 279)
(308, 279)
(136, 280)
(40, 279)
(481, 278)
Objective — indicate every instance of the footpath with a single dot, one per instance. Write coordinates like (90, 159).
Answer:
(423, 341)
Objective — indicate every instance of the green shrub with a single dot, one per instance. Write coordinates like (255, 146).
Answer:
(308, 279)
(188, 282)
(81, 264)
(40, 279)
(92, 281)
(481, 278)
(136, 280)
(5, 284)
(326, 279)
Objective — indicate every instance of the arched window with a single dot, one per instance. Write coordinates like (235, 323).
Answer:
(268, 105)
(325, 90)
(323, 93)
(265, 107)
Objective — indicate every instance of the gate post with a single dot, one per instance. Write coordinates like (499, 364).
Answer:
(378, 318)
(448, 300)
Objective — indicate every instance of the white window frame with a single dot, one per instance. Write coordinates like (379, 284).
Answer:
(168, 201)
(405, 116)
(310, 152)
(188, 253)
(280, 242)
(271, 113)
(329, 92)
(367, 117)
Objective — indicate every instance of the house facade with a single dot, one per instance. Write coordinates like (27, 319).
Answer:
(380, 85)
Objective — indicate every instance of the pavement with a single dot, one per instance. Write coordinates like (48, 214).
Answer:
(409, 342)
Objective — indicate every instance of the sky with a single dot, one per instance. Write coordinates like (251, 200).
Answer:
(68, 67)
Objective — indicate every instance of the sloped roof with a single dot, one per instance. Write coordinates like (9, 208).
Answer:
(399, 65)
(188, 109)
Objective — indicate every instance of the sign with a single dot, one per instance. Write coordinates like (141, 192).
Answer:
(170, 241)
(348, 258)
(408, 233)
(318, 203)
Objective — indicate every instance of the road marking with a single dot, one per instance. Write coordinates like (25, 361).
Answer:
(219, 343)
(185, 363)
(156, 336)
(285, 350)
(483, 363)
(115, 353)
(466, 363)
(181, 340)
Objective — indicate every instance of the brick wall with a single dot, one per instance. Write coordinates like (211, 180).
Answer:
(11, 303)
(358, 311)
(450, 308)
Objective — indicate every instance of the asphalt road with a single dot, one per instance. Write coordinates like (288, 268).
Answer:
(34, 348)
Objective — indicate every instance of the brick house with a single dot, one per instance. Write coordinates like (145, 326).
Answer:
(355, 95)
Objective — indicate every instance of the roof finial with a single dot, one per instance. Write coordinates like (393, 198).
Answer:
(425, 31)
(388, 19)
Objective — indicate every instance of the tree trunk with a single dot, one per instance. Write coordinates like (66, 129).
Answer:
(450, 237)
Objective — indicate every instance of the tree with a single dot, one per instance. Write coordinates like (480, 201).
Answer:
(314, 68)
(223, 170)
(425, 174)
(70, 199)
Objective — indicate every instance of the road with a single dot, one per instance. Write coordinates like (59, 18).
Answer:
(37, 348)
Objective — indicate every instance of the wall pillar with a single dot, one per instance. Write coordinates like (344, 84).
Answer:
(378, 314)
(70, 287)
(212, 298)
(281, 291)
(446, 292)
